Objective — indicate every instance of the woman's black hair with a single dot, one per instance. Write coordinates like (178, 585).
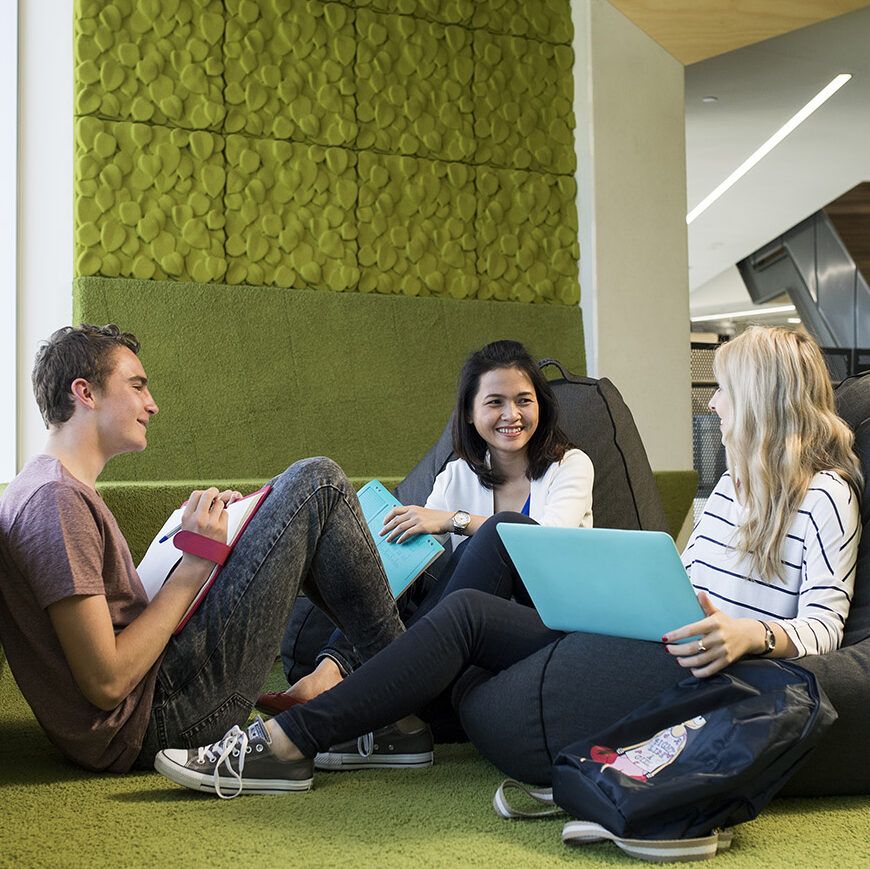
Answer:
(548, 444)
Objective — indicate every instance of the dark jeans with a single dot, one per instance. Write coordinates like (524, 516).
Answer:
(522, 691)
(481, 562)
(308, 535)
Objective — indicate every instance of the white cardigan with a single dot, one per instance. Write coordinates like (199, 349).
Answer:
(562, 497)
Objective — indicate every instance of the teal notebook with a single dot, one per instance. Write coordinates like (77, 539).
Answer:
(403, 562)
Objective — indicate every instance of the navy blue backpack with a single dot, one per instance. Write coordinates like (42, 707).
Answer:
(669, 780)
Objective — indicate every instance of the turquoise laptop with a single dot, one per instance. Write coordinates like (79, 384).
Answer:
(602, 580)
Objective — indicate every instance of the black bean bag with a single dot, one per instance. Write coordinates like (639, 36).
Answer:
(841, 764)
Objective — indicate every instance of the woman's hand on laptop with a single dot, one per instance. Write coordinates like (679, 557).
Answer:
(718, 640)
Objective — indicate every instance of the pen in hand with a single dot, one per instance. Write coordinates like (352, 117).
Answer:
(169, 534)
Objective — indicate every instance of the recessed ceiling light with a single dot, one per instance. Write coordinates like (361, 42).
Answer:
(710, 99)
(754, 312)
(821, 97)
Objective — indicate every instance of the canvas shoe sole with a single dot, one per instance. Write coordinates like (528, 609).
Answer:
(388, 748)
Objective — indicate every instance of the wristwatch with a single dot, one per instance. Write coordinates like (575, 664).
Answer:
(461, 520)
(769, 639)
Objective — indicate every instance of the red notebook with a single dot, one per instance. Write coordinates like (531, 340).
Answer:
(162, 557)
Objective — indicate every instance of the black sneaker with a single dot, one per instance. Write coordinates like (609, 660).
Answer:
(387, 747)
(241, 761)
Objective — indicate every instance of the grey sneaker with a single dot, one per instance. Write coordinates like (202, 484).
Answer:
(241, 761)
(387, 747)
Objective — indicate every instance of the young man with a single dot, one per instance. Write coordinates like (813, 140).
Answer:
(95, 660)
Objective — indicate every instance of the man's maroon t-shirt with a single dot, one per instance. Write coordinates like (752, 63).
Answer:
(59, 539)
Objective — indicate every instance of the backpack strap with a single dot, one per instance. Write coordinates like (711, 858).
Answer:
(653, 850)
(542, 796)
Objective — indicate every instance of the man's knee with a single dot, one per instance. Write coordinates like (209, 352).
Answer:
(317, 470)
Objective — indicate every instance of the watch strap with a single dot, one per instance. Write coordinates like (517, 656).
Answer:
(769, 638)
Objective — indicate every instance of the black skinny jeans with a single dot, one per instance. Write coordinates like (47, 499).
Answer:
(481, 563)
(465, 639)
(523, 692)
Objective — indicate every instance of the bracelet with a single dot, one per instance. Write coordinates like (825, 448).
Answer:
(202, 546)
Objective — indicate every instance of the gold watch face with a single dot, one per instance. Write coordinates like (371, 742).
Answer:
(461, 520)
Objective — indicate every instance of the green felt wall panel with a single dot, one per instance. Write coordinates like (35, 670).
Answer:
(158, 61)
(268, 137)
(523, 103)
(414, 87)
(291, 214)
(548, 20)
(148, 201)
(527, 236)
(246, 388)
(289, 70)
(416, 227)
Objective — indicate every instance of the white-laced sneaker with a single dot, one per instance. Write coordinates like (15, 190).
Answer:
(242, 761)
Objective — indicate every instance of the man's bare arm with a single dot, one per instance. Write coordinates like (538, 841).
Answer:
(107, 666)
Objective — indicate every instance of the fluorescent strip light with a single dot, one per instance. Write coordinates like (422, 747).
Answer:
(821, 97)
(734, 315)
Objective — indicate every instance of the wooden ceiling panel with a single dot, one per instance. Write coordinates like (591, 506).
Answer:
(693, 30)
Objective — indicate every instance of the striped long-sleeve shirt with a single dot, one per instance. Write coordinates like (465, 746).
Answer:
(812, 599)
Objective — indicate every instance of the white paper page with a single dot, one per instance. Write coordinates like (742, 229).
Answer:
(161, 558)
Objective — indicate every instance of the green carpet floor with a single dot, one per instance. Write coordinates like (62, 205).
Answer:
(54, 815)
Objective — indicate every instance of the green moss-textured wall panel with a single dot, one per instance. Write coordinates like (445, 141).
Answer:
(159, 61)
(260, 142)
(548, 20)
(414, 89)
(416, 220)
(249, 380)
(289, 70)
(523, 95)
(527, 236)
(291, 218)
(148, 201)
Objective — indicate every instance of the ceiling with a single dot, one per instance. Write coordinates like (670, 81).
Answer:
(695, 30)
(763, 60)
(758, 88)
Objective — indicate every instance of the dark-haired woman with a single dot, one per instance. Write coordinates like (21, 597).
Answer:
(512, 457)
(513, 461)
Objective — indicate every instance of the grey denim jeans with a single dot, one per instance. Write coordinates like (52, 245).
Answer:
(309, 535)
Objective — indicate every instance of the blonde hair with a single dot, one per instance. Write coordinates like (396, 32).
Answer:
(783, 429)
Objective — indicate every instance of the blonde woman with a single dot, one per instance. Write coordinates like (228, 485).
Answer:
(772, 559)
(773, 555)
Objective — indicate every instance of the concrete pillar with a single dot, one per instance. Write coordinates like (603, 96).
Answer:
(634, 290)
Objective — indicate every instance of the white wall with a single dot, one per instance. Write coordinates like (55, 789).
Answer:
(631, 179)
(8, 259)
(45, 194)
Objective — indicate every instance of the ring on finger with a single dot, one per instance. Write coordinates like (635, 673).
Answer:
(701, 647)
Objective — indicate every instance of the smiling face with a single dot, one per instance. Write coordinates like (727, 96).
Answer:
(505, 411)
(720, 404)
(124, 405)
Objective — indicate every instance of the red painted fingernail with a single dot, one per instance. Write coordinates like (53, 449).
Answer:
(664, 639)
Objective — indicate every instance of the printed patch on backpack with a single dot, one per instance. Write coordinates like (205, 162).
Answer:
(645, 759)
